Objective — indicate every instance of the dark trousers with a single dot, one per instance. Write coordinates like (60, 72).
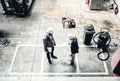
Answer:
(73, 58)
(48, 54)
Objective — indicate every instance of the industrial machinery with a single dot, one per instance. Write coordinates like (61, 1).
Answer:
(88, 34)
(71, 22)
(115, 63)
(95, 4)
(21, 8)
(103, 42)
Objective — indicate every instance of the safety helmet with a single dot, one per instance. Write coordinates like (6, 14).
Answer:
(50, 30)
(70, 36)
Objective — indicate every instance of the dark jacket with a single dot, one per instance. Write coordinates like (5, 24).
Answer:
(74, 47)
(48, 42)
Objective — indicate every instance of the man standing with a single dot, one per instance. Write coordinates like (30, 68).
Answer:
(49, 44)
(74, 47)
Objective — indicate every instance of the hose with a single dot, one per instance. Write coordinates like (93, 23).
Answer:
(105, 48)
(103, 59)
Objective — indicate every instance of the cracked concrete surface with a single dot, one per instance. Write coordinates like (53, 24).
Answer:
(26, 35)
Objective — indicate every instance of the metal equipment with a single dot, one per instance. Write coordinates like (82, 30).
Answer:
(21, 8)
(115, 63)
(70, 22)
(88, 34)
(116, 7)
(3, 43)
(7, 7)
(95, 4)
(103, 42)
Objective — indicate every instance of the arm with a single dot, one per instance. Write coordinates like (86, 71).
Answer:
(72, 48)
(77, 43)
(54, 41)
(45, 45)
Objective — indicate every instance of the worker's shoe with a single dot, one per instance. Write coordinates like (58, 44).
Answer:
(72, 63)
(49, 61)
(54, 57)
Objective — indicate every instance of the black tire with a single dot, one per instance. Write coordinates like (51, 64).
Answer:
(98, 55)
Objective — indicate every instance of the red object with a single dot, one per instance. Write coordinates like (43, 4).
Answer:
(88, 2)
(115, 63)
(116, 10)
(117, 69)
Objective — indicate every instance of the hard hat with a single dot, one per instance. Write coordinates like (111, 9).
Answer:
(50, 30)
(70, 36)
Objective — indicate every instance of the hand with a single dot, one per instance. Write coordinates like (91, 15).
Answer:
(69, 43)
(48, 52)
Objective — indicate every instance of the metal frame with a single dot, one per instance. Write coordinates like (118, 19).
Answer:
(26, 8)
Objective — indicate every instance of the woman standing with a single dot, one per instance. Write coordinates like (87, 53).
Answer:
(74, 47)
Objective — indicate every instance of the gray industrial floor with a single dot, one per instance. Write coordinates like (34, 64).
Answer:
(25, 60)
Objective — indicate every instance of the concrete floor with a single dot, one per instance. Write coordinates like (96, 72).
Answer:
(24, 59)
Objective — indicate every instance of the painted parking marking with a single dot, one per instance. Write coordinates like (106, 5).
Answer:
(42, 64)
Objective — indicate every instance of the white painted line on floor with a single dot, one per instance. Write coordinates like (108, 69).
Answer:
(86, 74)
(28, 42)
(77, 64)
(105, 65)
(36, 45)
(106, 68)
(56, 45)
(65, 43)
(29, 45)
(15, 53)
(22, 33)
(85, 46)
(30, 33)
(19, 42)
(42, 67)
(29, 73)
(42, 63)
(25, 33)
